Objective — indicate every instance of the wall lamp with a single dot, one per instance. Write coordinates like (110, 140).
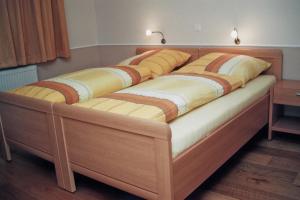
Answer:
(235, 35)
(150, 32)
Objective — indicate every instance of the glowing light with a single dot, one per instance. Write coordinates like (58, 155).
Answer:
(148, 32)
(234, 33)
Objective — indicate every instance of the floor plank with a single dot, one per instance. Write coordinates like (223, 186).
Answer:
(244, 192)
(282, 142)
(261, 183)
(257, 158)
(271, 173)
(285, 163)
(262, 170)
(297, 180)
(211, 195)
(12, 193)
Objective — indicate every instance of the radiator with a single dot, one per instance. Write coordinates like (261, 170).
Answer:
(13, 78)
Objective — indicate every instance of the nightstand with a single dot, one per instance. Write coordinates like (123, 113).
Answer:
(285, 92)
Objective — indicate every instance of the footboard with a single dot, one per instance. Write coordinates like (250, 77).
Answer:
(29, 124)
(128, 153)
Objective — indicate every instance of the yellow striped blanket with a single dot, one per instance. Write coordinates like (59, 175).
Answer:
(166, 97)
(82, 85)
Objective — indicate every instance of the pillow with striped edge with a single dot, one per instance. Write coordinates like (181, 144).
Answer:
(243, 67)
(157, 62)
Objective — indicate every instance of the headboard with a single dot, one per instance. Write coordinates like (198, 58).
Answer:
(273, 56)
(193, 51)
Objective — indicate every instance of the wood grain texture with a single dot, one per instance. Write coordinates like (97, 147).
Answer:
(41, 154)
(260, 182)
(258, 158)
(287, 124)
(164, 169)
(285, 92)
(61, 148)
(32, 131)
(25, 121)
(28, 124)
(271, 115)
(244, 180)
(101, 131)
(112, 150)
(284, 145)
(210, 195)
(289, 84)
(208, 155)
(67, 175)
(5, 150)
(297, 180)
(113, 153)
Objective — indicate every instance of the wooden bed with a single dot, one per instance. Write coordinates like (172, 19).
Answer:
(28, 123)
(135, 155)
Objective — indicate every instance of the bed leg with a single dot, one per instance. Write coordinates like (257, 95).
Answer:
(64, 173)
(270, 133)
(164, 169)
(4, 144)
(271, 115)
(65, 180)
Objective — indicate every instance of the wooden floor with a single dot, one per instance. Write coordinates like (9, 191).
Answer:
(262, 170)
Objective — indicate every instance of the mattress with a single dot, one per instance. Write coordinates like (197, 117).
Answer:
(199, 123)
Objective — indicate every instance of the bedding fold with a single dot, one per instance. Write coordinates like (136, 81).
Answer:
(82, 85)
(201, 122)
(167, 97)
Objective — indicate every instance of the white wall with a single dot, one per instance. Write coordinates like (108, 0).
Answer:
(260, 22)
(123, 22)
(82, 23)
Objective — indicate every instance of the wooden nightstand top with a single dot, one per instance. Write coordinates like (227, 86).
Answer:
(286, 92)
(289, 84)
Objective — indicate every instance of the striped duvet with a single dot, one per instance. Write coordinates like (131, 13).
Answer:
(82, 85)
(167, 97)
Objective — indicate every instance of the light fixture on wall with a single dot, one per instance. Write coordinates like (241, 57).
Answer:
(235, 35)
(150, 32)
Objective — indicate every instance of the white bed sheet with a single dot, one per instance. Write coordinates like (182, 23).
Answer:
(197, 124)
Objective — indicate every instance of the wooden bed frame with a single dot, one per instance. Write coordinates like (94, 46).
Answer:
(135, 155)
(28, 123)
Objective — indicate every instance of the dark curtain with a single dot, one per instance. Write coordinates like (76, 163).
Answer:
(32, 31)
